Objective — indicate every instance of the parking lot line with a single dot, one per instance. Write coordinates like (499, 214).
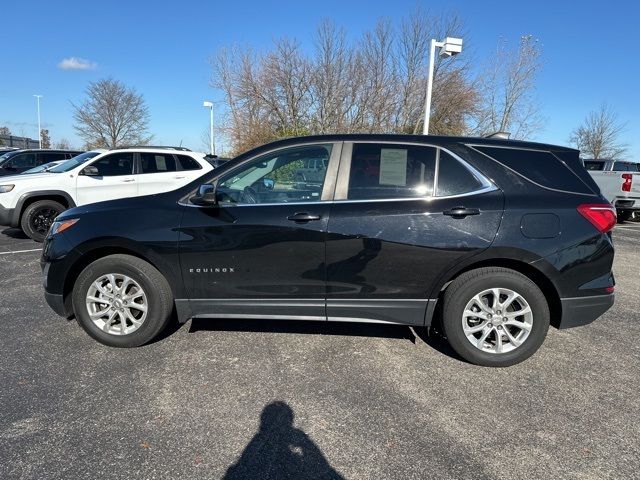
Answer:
(22, 251)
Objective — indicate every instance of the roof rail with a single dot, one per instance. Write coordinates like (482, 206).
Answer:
(499, 135)
(165, 147)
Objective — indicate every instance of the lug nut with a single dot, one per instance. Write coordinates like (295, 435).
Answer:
(490, 325)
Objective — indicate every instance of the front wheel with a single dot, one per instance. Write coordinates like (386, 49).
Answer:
(122, 301)
(38, 217)
(495, 317)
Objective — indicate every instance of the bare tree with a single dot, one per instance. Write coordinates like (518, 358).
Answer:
(45, 138)
(508, 86)
(599, 135)
(112, 115)
(375, 84)
(63, 144)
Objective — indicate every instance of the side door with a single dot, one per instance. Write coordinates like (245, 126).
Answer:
(403, 214)
(115, 179)
(260, 252)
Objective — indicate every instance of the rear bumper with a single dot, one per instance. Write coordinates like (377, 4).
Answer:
(584, 310)
(627, 203)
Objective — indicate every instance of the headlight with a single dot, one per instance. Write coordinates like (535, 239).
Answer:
(6, 188)
(59, 227)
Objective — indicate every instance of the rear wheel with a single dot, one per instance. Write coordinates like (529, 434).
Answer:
(495, 316)
(38, 217)
(122, 301)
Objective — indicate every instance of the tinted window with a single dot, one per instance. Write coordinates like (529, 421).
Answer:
(391, 171)
(24, 160)
(115, 164)
(52, 157)
(593, 165)
(279, 177)
(188, 163)
(539, 166)
(625, 167)
(454, 178)
(157, 162)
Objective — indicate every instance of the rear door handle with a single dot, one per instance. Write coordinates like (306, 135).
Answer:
(461, 212)
(179, 178)
(129, 180)
(303, 217)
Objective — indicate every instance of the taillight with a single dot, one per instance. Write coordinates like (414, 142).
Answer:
(601, 215)
(628, 180)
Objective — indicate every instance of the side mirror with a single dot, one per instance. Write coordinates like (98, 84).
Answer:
(206, 195)
(90, 171)
(268, 183)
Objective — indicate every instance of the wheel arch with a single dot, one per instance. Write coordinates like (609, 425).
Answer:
(544, 283)
(27, 199)
(91, 255)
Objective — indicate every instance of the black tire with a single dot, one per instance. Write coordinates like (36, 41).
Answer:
(157, 290)
(624, 215)
(38, 217)
(473, 282)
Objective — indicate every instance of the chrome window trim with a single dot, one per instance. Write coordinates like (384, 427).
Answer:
(428, 198)
(335, 145)
(343, 151)
(343, 177)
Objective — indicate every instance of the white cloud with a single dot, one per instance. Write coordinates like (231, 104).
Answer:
(75, 63)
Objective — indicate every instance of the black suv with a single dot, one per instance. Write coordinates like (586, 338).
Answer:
(18, 161)
(491, 239)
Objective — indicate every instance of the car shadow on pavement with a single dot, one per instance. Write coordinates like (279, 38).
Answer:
(280, 450)
(303, 327)
(15, 233)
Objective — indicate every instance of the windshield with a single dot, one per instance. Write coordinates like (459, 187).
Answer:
(74, 162)
(41, 168)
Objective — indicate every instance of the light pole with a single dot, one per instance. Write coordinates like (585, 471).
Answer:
(38, 97)
(209, 105)
(449, 46)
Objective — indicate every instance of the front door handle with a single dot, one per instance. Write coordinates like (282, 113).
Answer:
(128, 180)
(461, 212)
(303, 217)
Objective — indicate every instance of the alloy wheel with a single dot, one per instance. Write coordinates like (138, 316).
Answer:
(117, 304)
(497, 320)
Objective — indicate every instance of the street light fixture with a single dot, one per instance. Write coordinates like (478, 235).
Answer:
(38, 97)
(209, 105)
(448, 47)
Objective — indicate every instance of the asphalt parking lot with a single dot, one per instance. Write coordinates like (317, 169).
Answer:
(251, 399)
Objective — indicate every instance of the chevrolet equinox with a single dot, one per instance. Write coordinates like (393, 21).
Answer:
(492, 240)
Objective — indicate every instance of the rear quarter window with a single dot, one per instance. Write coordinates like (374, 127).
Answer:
(188, 163)
(593, 165)
(538, 166)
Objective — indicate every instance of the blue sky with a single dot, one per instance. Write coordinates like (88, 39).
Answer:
(591, 53)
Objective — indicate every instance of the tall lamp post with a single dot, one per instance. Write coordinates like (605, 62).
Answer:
(448, 47)
(38, 97)
(212, 148)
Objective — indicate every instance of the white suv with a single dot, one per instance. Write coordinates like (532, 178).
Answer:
(32, 202)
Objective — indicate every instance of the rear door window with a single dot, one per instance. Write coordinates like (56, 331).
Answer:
(50, 157)
(24, 160)
(454, 178)
(157, 163)
(388, 171)
(538, 166)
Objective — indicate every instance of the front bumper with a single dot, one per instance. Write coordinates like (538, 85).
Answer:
(56, 302)
(579, 311)
(6, 216)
